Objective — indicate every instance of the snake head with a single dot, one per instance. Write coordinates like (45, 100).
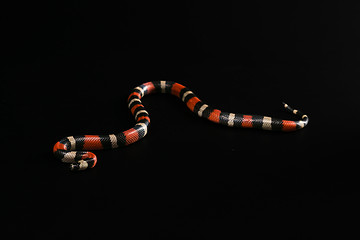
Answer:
(81, 164)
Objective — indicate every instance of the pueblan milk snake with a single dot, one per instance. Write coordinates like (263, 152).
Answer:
(73, 149)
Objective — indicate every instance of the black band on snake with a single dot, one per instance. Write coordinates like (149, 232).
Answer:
(73, 149)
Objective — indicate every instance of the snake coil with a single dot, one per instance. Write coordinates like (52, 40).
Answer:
(73, 149)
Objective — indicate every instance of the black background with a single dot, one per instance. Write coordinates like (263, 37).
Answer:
(67, 69)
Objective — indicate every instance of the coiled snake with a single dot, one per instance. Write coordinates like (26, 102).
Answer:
(73, 149)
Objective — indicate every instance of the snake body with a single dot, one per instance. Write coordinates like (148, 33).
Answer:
(74, 149)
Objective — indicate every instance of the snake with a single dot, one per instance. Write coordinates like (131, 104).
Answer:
(74, 150)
